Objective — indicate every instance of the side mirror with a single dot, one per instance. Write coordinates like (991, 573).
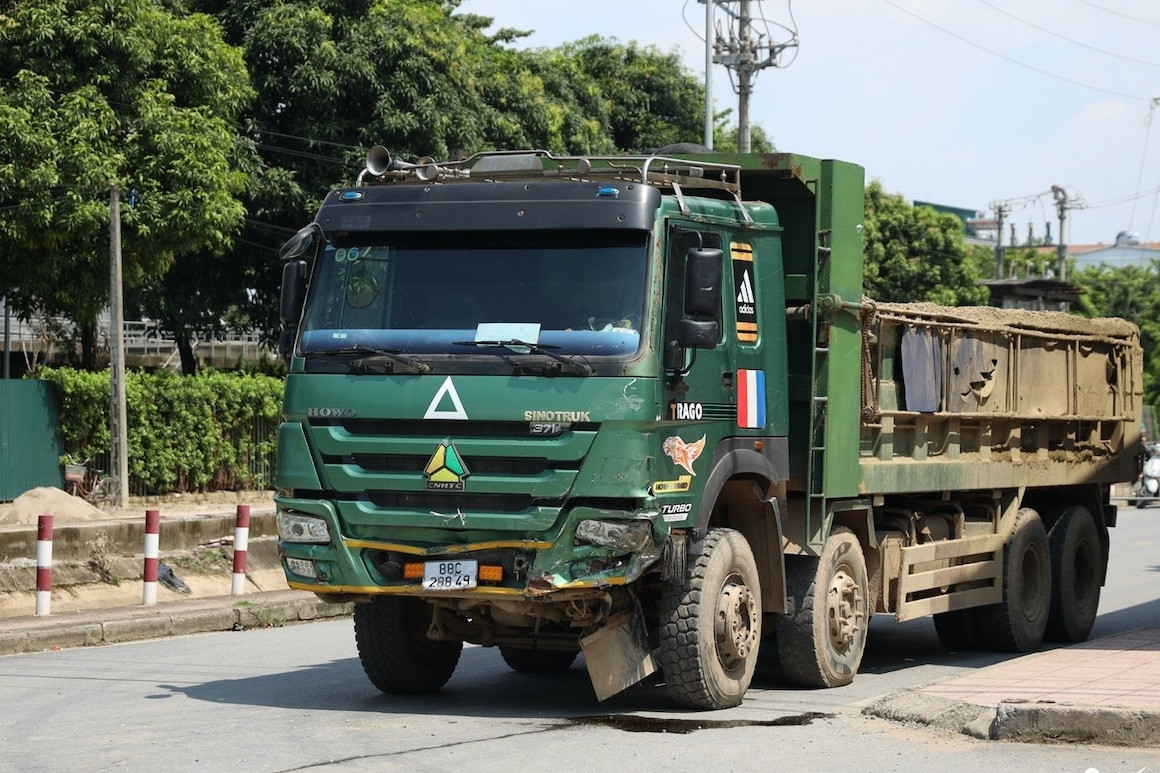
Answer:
(698, 334)
(703, 282)
(299, 243)
(293, 291)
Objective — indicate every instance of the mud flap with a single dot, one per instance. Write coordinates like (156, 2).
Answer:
(618, 655)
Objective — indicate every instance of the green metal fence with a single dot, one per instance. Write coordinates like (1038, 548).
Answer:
(29, 446)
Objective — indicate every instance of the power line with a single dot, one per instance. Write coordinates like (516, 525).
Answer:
(1004, 57)
(1117, 13)
(310, 140)
(1122, 199)
(1021, 20)
(1143, 155)
(298, 153)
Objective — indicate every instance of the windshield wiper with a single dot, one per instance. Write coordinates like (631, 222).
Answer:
(373, 357)
(514, 344)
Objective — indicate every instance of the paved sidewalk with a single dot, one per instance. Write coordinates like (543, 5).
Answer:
(1104, 691)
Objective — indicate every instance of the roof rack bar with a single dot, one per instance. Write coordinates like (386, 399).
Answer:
(521, 165)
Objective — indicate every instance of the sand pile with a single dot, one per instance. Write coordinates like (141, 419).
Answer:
(48, 501)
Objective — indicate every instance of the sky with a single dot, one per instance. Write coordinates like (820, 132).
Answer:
(966, 103)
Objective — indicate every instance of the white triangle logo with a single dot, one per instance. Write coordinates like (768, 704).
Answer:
(447, 390)
(746, 294)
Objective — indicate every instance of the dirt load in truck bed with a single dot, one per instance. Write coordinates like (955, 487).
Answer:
(993, 317)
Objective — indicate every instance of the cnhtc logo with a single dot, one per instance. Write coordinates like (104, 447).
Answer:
(446, 470)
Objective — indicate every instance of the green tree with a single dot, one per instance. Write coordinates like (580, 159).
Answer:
(916, 253)
(1129, 292)
(333, 78)
(649, 98)
(95, 94)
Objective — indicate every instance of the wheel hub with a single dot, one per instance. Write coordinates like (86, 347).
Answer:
(844, 610)
(737, 623)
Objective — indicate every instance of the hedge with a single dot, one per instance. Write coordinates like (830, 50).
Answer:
(212, 431)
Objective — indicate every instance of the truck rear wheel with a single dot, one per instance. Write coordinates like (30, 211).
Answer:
(1018, 622)
(536, 661)
(711, 624)
(396, 654)
(822, 640)
(1076, 569)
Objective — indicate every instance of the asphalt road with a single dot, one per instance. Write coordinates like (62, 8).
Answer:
(295, 698)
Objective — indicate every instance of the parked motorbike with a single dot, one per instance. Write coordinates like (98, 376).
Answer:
(1147, 485)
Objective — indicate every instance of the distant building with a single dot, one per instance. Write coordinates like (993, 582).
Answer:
(1127, 250)
(976, 228)
(1032, 293)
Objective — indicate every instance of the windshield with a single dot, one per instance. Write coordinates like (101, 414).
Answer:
(454, 293)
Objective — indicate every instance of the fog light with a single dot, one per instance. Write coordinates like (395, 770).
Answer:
(295, 527)
(302, 567)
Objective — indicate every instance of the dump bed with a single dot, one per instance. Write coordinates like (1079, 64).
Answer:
(894, 398)
(979, 397)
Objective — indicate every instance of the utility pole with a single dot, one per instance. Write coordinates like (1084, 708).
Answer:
(1061, 207)
(1001, 209)
(118, 427)
(709, 4)
(747, 55)
(745, 71)
(7, 339)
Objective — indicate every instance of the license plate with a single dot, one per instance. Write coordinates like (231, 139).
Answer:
(450, 575)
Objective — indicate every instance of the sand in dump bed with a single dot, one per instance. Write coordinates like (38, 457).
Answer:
(48, 501)
(991, 316)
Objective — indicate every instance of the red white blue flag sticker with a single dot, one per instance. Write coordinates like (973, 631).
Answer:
(751, 399)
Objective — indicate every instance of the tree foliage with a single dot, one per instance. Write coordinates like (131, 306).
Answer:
(95, 94)
(916, 253)
(232, 118)
(333, 78)
(1129, 292)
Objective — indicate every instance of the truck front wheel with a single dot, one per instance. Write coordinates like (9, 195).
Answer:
(1018, 622)
(821, 641)
(711, 624)
(1076, 572)
(397, 655)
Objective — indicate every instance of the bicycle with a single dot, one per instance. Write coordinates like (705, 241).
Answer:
(91, 483)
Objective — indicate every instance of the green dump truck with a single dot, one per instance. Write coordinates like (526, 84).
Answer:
(638, 407)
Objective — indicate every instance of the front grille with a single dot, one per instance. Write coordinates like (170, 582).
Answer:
(443, 502)
(480, 465)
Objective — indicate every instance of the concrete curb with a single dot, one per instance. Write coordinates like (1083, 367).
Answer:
(206, 615)
(1025, 722)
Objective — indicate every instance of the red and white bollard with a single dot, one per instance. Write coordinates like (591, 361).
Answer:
(44, 565)
(152, 549)
(241, 546)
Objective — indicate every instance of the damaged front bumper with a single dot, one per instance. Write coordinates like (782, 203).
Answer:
(593, 549)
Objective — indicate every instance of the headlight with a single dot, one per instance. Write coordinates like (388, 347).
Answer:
(629, 536)
(295, 527)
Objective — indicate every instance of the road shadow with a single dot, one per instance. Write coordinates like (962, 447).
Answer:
(482, 686)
